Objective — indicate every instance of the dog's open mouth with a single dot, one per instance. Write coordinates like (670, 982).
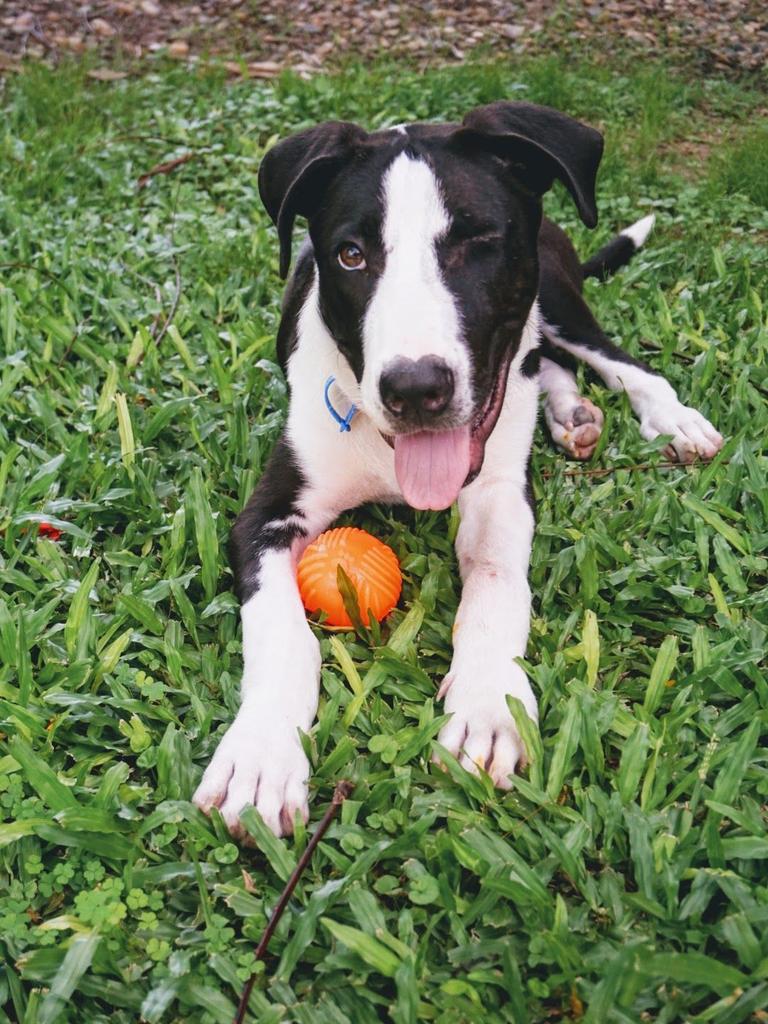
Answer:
(432, 466)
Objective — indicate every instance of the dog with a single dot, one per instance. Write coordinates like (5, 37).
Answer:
(440, 301)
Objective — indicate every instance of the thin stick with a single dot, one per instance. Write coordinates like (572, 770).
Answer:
(165, 168)
(39, 270)
(157, 336)
(340, 794)
(607, 470)
(174, 306)
(686, 357)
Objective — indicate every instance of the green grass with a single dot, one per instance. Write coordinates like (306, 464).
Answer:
(744, 166)
(624, 877)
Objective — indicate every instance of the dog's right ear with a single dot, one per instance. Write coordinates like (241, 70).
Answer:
(295, 173)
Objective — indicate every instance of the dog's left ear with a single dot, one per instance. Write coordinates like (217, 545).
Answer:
(540, 144)
(294, 174)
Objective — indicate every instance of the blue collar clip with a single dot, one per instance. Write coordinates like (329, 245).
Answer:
(345, 422)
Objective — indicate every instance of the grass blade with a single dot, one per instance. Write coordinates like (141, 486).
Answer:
(78, 959)
(661, 673)
(374, 953)
(76, 629)
(205, 533)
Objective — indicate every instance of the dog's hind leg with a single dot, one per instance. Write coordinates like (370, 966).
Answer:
(574, 422)
(568, 325)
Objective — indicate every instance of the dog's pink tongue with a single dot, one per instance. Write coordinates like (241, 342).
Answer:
(431, 466)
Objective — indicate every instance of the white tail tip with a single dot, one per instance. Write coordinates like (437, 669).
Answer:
(640, 230)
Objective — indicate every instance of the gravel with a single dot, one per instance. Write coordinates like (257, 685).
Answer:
(261, 37)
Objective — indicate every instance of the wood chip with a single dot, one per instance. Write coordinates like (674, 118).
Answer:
(725, 34)
(103, 28)
(107, 74)
(178, 49)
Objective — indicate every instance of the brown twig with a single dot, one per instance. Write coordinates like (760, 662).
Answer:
(157, 336)
(164, 168)
(39, 270)
(686, 357)
(340, 794)
(174, 306)
(607, 470)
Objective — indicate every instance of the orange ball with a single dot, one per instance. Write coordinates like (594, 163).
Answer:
(372, 566)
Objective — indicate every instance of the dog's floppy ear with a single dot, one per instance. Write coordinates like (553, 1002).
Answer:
(295, 172)
(541, 144)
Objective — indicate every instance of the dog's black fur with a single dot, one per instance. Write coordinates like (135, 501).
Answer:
(494, 256)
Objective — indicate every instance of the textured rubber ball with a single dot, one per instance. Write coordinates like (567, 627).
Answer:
(371, 565)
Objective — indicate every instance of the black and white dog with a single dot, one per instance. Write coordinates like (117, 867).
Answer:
(438, 298)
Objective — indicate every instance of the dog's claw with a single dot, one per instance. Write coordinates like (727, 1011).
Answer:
(693, 436)
(481, 733)
(244, 772)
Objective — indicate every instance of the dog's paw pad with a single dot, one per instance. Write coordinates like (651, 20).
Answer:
(577, 430)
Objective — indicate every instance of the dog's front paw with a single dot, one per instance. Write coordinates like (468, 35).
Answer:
(259, 761)
(693, 436)
(482, 732)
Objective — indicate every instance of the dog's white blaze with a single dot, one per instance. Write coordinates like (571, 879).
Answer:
(412, 312)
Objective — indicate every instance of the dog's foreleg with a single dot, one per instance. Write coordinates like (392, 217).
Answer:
(260, 759)
(493, 547)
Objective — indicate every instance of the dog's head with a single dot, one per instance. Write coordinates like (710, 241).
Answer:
(425, 240)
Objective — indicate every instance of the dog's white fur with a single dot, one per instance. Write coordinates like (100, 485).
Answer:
(639, 231)
(578, 435)
(412, 313)
(653, 400)
(491, 629)
(260, 759)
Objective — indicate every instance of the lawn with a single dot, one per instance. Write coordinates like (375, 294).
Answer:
(623, 879)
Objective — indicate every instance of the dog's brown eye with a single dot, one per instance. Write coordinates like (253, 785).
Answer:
(351, 257)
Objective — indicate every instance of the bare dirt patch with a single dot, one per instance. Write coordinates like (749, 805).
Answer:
(269, 35)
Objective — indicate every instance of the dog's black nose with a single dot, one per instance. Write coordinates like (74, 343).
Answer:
(417, 390)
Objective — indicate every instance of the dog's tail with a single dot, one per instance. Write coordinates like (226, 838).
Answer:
(619, 250)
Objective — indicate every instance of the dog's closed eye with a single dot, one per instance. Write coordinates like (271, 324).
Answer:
(462, 243)
(482, 238)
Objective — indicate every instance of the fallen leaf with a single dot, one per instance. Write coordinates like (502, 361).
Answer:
(164, 168)
(107, 74)
(103, 28)
(179, 49)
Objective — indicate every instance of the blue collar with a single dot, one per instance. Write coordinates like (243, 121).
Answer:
(345, 422)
